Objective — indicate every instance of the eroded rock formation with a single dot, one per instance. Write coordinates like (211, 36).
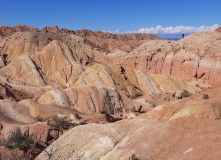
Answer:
(196, 58)
(97, 77)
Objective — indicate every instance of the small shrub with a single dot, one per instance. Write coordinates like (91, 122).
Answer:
(18, 140)
(39, 118)
(136, 95)
(60, 123)
(77, 116)
(205, 96)
(153, 104)
(133, 157)
(185, 94)
(103, 111)
(158, 50)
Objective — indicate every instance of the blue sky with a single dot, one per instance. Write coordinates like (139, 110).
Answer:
(118, 16)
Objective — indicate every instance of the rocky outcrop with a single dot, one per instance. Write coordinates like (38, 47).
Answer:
(5, 30)
(54, 97)
(45, 111)
(195, 106)
(218, 29)
(107, 42)
(58, 61)
(30, 117)
(107, 86)
(22, 70)
(196, 58)
(30, 43)
(92, 100)
(54, 29)
(12, 111)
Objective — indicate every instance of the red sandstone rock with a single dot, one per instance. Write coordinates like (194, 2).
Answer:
(5, 31)
(218, 29)
(196, 58)
(54, 29)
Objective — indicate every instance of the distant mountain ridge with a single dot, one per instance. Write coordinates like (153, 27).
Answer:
(5, 31)
(102, 41)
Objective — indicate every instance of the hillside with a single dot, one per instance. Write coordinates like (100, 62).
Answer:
(116, 87)
(196, 58)
(99, 40)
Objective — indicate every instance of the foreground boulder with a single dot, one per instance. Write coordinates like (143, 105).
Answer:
(146, 139)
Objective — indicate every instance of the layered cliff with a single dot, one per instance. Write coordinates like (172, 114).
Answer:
(196, 58)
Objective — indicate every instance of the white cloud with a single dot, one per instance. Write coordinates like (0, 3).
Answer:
(173, 30)
(113, 32)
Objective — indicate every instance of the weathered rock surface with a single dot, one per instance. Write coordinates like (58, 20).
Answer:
(30, 43)
(194, 58)
(23, 69)
(64, 61)
(58, 62)
(5, 30)
(30, 117)
(12, 111)
(67, 61)
(183, 138)
(91, 100)
(54, 97)
(195, 106)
